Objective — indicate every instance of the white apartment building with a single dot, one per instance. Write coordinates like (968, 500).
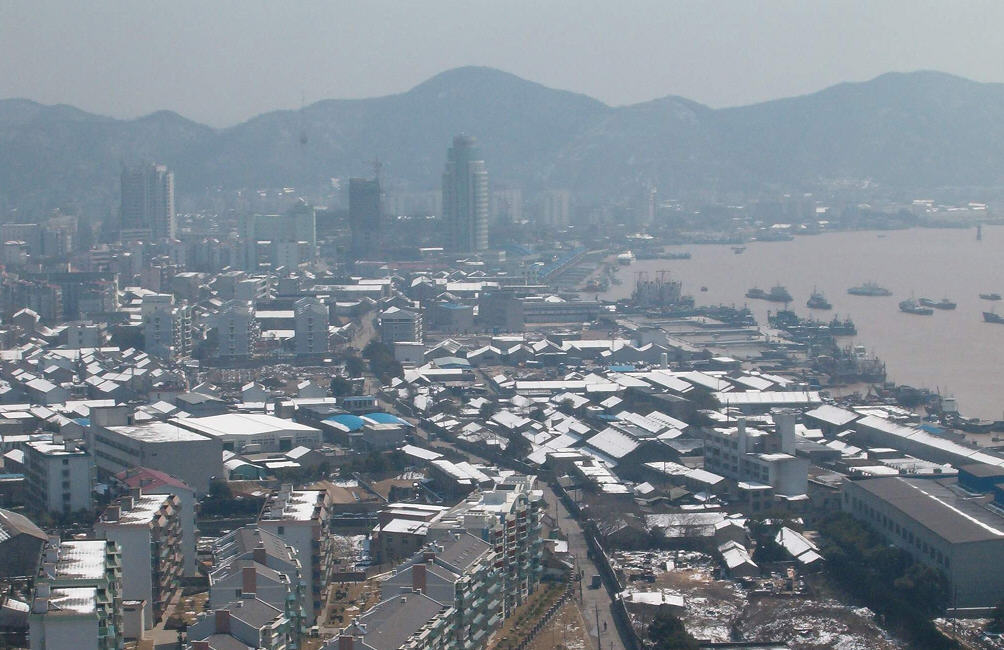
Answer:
(311, 325)
(78, 597)
(59, 477)
(147, 528)
(167, 327)
(400, 325)
(236, 329)
(300, 518)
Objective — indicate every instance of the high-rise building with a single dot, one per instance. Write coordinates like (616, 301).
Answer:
(310, 317)
(148, 201)
(365, 218)
(555, 208)
(167, 327)
(280, 240)
(465, 197)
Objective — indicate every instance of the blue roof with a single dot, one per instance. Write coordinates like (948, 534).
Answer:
(384, 418)
(348, 421)
(453, 305)
(628, 368)
(83, 421)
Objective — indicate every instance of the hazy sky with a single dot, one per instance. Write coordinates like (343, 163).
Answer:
(221, 62)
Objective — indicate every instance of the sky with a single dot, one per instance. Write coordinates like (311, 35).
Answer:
(221, 62)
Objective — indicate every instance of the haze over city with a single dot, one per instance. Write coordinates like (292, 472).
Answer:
(501, 326)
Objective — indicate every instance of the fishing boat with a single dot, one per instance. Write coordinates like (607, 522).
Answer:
(778, 294)
(869, 289)
(818, 301)
(992, 317)
(756, 293)
(738, 250)
(990, 296)
(911, 306)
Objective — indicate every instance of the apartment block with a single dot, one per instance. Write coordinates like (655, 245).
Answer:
(59, 476)
(78, 597)
(147, 528)
(300, 518)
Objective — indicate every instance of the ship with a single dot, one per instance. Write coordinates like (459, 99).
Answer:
(844, 327)
(756, 293)
(992, 317)
(990, 296)
(678, 256)
(778, 294)
(944, 303)
(625, 258)
(911, 306)
(818, 301)
(869, 289)
(738, 250)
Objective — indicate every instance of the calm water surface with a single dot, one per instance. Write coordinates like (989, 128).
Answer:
(954, 351)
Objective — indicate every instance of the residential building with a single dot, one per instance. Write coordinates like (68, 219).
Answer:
(247, 622)
(147, 529)
(508, 518)
(276, 568)
(300, 518)
(366, 218)
(78, 597)
(274, 240)
(148, 201)
(555, 208)
(460, 572)
(59, 476)
(311, 326)
(21, 543)
(410, 621)
(236, 329)
(940, 525)
(167, 327)
(465, 197)
(400, 325)
(152, 481)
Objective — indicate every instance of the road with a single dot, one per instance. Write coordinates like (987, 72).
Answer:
(594, 602)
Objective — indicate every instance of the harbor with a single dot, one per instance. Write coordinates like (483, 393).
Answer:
(957, 352)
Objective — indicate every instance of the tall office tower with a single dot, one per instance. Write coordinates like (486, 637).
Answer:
(366, 218)
(148, 200)
(465, 197)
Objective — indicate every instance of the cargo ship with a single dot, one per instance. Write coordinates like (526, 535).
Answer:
(910, 306)
(869, 289)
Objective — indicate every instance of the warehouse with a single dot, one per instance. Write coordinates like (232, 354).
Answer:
(253, 432)
(940, 526)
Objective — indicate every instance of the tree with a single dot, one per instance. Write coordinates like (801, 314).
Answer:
(487, 410)
(340, 386)
(667, 632)
(354, 367)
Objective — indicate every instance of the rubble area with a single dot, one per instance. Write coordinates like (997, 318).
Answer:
(765, 610)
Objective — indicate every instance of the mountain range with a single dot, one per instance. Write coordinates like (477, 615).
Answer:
(913, 131)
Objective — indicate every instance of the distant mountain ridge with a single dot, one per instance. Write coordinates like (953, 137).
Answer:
(901, 130)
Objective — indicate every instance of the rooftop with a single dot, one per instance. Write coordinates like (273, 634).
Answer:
(934, 506)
